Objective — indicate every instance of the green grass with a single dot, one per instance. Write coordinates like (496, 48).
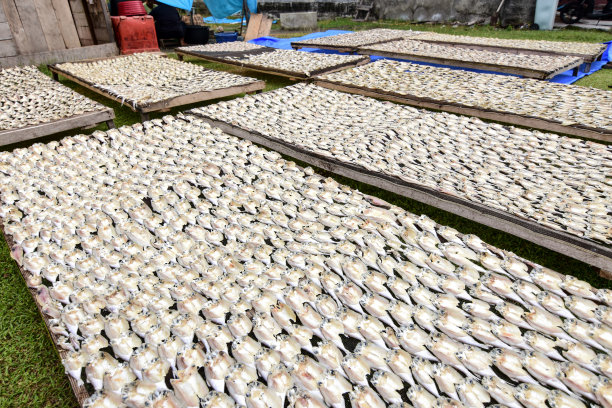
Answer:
(31, 372)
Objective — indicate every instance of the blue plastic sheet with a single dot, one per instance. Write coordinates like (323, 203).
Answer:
(182, 4)
(563, 78)
(225, 8)
(568, 78)
(285, 43)
(212, 20)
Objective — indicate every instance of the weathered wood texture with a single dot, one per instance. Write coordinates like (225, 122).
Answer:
(586, 251)
(67, 27)
(167, 103)
(80, 20)
(498, 116)
(49, 27)
(45, 129)
(585, 57)
(259, 26)
(80, 392)
(72, 54)
(524, 72)
(268, 70)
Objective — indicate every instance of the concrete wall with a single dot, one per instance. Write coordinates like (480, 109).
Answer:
(324, 8)
(514, 12)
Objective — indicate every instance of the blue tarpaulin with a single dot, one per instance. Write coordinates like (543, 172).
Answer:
(182, 4)
(568, 78)
(285, 44)
(212, 20)
(225, 8)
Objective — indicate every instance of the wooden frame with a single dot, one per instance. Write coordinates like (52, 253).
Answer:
(588, 58)
(145, 109)
(11, 136)
(271, 71)
(349, 49)
(80, 392)
(498, 116)
(525, 72)
(567, 244)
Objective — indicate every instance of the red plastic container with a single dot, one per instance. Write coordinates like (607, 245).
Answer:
(131, 8)
(135, 34)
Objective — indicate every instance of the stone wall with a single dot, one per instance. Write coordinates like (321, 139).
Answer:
(514, 12)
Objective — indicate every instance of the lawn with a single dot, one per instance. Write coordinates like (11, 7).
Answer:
(32, 374)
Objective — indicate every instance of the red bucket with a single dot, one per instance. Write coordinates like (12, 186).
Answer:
(131, 8)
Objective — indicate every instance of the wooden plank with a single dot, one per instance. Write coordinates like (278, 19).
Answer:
(585, 57)
(80, 21)
(49, 24)
(5, 31)
(559, 241)
(45, 129)
(350, 50)
(22, 41)
(31, 24)
(271, 71)
(72, 54)
(204, 96)
(7, 48)
(253, 27)
(2, 15)
(167, 103)
(66, 26)
(498, 116)
(80, 392)
(525, 72)
(265, 27)
(101, 21)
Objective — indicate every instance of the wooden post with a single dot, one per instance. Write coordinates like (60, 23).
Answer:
(605, 274)
(110, 124)
(144, 116)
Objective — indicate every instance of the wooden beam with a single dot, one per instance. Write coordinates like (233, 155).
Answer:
(45, 129)
(22, 41)
(498, 116)
(525, 72)
(575, 247)
(50, 25)
(509, 50)
(67, 26)
(79, 390)
(167, 103)
(268, 70)
(80, 21)
(33, 28)
(72, 54)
